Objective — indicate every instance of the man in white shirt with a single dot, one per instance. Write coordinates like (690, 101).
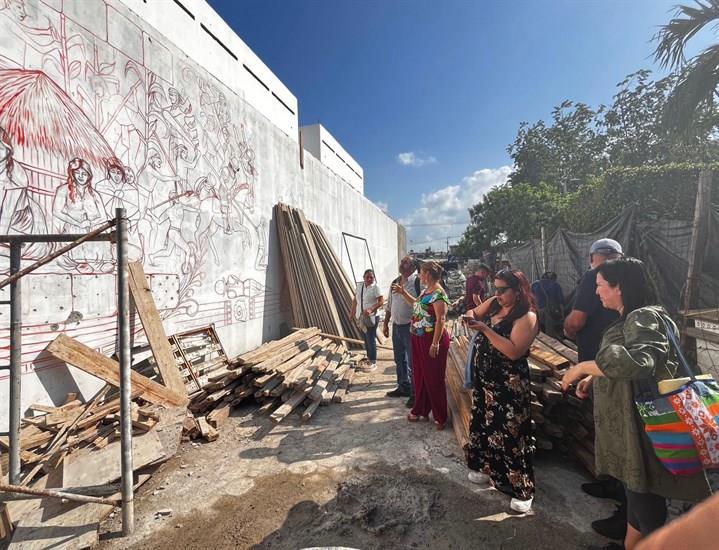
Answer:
(370, 298)
(401, 314)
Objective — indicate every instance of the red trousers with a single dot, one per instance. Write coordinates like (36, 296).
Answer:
(430, 391)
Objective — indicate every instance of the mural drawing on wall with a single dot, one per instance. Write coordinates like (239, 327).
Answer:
(86, 127)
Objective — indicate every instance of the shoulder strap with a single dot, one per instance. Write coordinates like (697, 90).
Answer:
(676, 346)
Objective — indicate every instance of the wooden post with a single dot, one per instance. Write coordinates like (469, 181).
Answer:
(696, 247)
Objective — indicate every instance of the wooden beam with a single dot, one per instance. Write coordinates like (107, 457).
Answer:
(43, 493)
(155, 332)
(87, 359)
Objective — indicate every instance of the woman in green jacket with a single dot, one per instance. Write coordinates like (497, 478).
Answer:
(634, 348)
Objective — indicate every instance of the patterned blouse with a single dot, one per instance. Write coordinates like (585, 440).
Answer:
(423, 315)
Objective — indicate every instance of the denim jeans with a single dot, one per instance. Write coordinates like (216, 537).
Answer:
(370, 341)
(402, 345)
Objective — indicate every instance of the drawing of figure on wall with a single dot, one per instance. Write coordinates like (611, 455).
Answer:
(185, 163)
(19, 212)
(116, 115)
(160, 189)
(180, 120)
(14, 7)
(77, 208)
(117, 192)
(175, 212)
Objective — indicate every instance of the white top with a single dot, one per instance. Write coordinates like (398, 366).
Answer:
(400, 311)
(367, 297)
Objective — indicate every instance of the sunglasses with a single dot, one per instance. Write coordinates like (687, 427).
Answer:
(499, 290)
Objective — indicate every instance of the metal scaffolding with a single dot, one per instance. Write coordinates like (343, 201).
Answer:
(119, 237)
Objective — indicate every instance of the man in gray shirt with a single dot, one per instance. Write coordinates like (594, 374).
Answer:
(401, 314)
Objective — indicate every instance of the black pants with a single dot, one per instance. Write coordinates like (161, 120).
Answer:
(646, 512)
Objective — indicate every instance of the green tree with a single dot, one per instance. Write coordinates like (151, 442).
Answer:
(699, 77)
(562, 155)
(510, 215)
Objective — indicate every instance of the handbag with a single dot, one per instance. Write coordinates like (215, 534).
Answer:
(367, 321)
(683, 423)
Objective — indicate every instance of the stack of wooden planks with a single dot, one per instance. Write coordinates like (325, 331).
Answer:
(561, 421)
(299, 372)
(320, 290)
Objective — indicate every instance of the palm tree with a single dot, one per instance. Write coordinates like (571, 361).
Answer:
(699, 76)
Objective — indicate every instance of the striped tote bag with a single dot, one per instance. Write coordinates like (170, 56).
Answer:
(682, 424)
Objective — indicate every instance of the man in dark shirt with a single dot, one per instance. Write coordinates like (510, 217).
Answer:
(586, 323)
(476, 287)
(588, 319)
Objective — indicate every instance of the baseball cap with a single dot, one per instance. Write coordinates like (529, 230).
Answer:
(605, 246)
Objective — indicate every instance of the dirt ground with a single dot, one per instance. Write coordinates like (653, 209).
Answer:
(357, 475)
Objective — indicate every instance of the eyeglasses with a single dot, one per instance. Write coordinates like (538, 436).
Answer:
(499, 290)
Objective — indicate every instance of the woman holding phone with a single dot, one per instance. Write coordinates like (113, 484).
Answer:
(430, 344)
(500, 439)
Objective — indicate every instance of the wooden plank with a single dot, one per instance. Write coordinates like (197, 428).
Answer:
(155, 332)
(87, 359)
(88, 467)
(559, 347)
(207, 431)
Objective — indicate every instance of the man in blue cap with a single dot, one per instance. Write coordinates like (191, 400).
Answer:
(585, 324)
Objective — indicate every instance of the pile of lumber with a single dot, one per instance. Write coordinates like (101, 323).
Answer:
(299, 372)
(561, 421)
(320, 290)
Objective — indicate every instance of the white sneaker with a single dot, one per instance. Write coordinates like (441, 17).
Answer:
(521, 506)
(478, 477)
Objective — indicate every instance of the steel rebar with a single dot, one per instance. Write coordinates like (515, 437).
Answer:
(15, 363)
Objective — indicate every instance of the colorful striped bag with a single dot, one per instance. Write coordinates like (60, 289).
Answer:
(683, 424)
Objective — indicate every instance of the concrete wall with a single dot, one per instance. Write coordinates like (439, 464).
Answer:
(90, 91)
(317, 140)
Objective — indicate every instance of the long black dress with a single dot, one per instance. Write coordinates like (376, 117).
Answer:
(501, 443)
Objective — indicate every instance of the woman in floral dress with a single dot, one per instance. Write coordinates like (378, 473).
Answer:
(500, 447)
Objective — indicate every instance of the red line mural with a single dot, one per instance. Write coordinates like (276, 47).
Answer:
(88, 125)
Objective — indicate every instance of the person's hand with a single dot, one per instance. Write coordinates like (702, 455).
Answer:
(479, 326)
(385, 330)
(433, 350)
(569, 334)
(584, 387)
(571, 376)
(368, 312)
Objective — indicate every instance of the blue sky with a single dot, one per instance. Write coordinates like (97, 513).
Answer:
(427, 95)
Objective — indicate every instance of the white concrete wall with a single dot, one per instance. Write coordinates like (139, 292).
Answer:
(319, 142)
(239, 68)
(202, 168)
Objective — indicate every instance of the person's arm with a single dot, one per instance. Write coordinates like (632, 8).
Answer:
(406, 296)
(574, 322)
(585, 303)
(483, 309)
(373, 309)
(644, 345)
(521, 337)
(387, 314)
(695, 529)
(440, 311)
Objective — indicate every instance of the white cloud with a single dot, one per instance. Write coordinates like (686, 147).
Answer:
(383, 206)
(413, 159)
(449, 205)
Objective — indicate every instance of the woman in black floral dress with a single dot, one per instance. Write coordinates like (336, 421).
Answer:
(500, 447)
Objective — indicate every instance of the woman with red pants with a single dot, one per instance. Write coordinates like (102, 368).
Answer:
(430, 344)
